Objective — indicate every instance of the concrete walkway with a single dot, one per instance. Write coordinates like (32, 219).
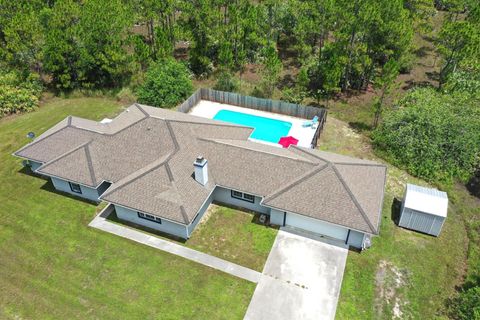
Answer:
(301, 279)
(173, 248)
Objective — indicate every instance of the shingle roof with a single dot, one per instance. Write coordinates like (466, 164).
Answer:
(147, 154)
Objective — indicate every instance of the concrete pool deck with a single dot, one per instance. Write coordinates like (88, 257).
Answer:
(208, 109)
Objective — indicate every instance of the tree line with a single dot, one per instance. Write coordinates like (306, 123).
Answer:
(341, 44)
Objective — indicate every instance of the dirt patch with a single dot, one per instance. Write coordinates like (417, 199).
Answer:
(210, 210)
(340, 137)
(389, 281)
(251, 73)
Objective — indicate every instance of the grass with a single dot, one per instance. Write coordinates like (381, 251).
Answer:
(235, 236)
(230, 234)
(53, 266)
(416, 272)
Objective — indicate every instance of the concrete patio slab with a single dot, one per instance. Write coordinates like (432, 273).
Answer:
(208, 109)
(301, 279)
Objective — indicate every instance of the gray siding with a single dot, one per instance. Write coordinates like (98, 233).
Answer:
(166, 226)
(200, 214)
(224, 195)
(103, 187)
(419, 221)
(87, 193)
(277, 217)
(34, 165)
(355, 239)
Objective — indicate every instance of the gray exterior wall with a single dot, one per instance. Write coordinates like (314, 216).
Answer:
(34, 165)
(200, 214)
(420, 221)
(103, 187)
(166, 226)
(355, 239)
(277, 217)
(224, 195)
(87, 193)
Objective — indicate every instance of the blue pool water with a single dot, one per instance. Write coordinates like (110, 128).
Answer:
(266, 129)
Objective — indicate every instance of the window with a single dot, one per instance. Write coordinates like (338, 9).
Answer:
(75, 187)
(150, 217)
(249, 197)
(236, 194)
(243, 196)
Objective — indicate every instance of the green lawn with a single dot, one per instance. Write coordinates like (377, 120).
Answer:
(415, 271)
(53, 266)
(235, 236)
(230, 234)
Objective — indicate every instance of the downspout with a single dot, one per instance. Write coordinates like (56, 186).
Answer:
(348, 236)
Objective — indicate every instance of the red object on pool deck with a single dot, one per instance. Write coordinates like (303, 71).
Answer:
(287, 141)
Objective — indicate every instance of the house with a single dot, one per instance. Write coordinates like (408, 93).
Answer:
(162, 169)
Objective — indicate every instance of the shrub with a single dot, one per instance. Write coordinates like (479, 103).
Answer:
(167, 83)
(466, 306)
(226, 82)
(202, 66)
(18, 93)
(126, 95)
(293, 95)
(433, 135)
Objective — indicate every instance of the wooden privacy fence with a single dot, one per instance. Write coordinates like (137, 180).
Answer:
(275, 106)
(190, 102)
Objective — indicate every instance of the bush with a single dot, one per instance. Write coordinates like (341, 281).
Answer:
(226, 82)
(18, 93)
(292, 95)
(202, 66)
(433, 135)
(126, 96)
(167, 83)
(466, 306)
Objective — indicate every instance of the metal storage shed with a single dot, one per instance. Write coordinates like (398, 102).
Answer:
(424, 209)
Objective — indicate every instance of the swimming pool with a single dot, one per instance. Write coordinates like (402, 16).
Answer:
(266, 129)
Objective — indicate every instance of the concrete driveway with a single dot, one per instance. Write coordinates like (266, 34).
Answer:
(301, 279)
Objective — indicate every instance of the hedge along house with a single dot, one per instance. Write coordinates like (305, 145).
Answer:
(146, 164)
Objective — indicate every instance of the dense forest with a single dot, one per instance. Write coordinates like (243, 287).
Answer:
(153, 50)
(338, 45)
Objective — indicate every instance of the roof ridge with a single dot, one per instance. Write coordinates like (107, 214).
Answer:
(310, 154)
(106, 133)
(63, 155)
(37, 141)
(89, 163)
(184, 214)
(361, 164)
(172, 135)
(354, 199)
(142, 110)
(136, 176)
(164, 160)
(340, 162)
(218, 141)
(302, 178)
(169, 172)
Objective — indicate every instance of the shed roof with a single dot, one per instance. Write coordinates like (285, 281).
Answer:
(426, 200)
(147, 155)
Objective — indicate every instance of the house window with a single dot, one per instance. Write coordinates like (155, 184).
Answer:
(249, 197)
(150, 217)
(75, 187)
(243, 196)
